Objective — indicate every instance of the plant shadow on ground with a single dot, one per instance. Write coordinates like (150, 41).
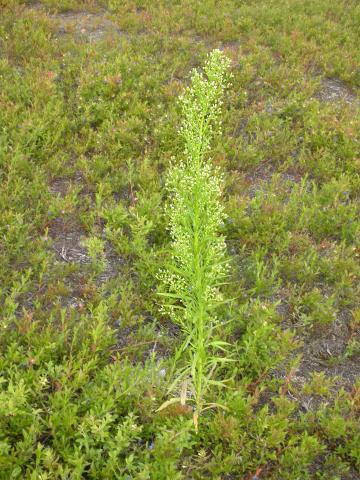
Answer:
(89, 118)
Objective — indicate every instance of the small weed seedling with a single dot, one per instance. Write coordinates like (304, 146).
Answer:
(199, 264)
(96, 247)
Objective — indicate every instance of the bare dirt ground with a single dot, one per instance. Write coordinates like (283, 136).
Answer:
(91, 27)
(85, 26)
(335, 90)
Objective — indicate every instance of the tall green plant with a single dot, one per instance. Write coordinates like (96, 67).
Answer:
(199, 265)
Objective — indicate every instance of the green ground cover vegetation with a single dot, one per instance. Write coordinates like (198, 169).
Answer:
(88, 130)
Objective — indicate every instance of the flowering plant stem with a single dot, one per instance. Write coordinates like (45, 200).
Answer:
(198, 264)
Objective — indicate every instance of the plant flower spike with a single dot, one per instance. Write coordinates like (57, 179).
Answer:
(198, 264)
